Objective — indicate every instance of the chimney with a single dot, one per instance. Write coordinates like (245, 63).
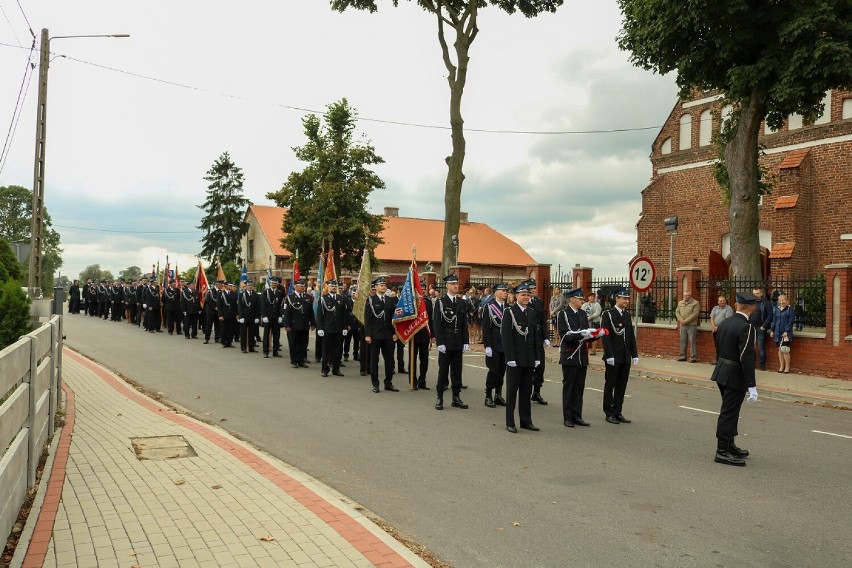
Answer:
(463, 218)
(391, 211)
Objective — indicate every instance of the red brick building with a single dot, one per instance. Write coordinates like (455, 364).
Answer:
(806, 222)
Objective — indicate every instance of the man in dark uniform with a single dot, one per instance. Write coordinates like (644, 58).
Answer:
(103, 299)
(226, 308)
(270, 313)
(353, 338)
(171, 307)
(421, 343)
(495, 358)
(521, 334)
(572, 325)
(298, 313)
(248, 314)
(734, 375)
(332, 325)
(379, 334)
(451, 336)
(211, 312)
(117, 298)
(130, 304)
(364, 358)
(190, 306)
(152, 307)
(92, 299)
(141, 301)
(619, 353)
(74, 298)
(537, 304)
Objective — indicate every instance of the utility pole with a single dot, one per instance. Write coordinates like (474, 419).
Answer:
(37, 229)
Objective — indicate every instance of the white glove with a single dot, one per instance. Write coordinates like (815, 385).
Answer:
(256, 320)
(586, 333)
(320, 333)
(465, 347)
(281, 320)
(344, 332)
(242, 320)
(547, 343)
(752, 394)
(511, 364)
(611, 361)
(635, 360)
(442, 349)
(145, 306)
(184, 313)
(265, 320)
(488, 352)
(537, 363)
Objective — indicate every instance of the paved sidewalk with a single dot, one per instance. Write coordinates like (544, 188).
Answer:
(230, 505)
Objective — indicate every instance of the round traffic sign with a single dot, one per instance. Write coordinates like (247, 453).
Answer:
(642, 273)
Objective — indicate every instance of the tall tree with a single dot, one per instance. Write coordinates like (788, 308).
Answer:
(327, 201)
(130, 272)
(225, 206)
(770, 58)
(14, 312)
(459, 17)
(95, 273)
(10, 268)
(16, 205)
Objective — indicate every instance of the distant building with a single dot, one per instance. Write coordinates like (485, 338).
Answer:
(805, 223)
(490, 254)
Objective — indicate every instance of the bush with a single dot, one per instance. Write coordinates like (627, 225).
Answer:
(14, 313)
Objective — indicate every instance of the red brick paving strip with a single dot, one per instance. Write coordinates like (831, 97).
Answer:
(43, 531)
(364, 541)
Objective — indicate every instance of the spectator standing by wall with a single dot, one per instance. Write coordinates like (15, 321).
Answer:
(720, 312)
(782, 332)
(557, 304)
(761, 319)
(593, 311)
(687, 313)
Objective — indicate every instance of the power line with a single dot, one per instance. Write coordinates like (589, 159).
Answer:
(19, 108)
(128, 232)
(27, 20)
(360, 118)
(11, 27)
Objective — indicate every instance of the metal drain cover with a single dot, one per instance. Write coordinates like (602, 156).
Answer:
(162, 448)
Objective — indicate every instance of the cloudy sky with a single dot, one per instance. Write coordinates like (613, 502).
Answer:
(134, 124)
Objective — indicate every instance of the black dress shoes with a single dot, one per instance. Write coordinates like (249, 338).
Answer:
(568, 423)
(375, 389)
(303, 364)
(581, 422)
(422, 386)
(337, 373)
(622, 419)
(459, 403)
(536, 397)
(737, 452)
(489, 402)
(324, 373)
(363, 374)
(294, 365)
(612, 420)
(439, 404)
(727, 458)
(464, 386)
(532, 427)
(512, 429)
(499, 400)
(276, 354)
(390, 387)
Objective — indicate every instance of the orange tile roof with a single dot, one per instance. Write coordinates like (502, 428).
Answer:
(793, 159)
(782, 250)
(479, 243)
(270, 220)
(786, 201)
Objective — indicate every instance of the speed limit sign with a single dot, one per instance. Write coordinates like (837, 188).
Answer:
(642, 273)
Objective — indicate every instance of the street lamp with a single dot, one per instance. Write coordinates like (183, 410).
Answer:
(455, 240)
(671, 229)
(37, 228)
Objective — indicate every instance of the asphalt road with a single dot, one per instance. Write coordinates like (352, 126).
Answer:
(640, 494)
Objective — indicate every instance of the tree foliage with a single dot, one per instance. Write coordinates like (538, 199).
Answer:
(14, 312)
(224, 208)
(769, 58)
(95, 273)
(327, 201)
(16, 205)
(130, 272)
(460, 16)
(10, 268)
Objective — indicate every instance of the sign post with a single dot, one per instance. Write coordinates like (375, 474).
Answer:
(642, 276)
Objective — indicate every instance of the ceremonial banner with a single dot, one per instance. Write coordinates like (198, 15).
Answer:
(318, 288)
(201, 284)
(410, 314)
(244, 274)
(363, 293)
(330, 272)
(268, 278)
(220, 274)
(177, 276)
(296, 275)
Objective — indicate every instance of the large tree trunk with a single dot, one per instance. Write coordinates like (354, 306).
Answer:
(465, 31)
(741, 160)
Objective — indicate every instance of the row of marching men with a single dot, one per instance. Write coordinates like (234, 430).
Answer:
(513, 336)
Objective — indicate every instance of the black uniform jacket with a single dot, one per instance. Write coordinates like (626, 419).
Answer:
(226, 306)
(572, 350)
(270, 304)
(735, 353)
(332, 315)
(450, 319)
(492, 319)
(521, 335)
(378, 315)
(298, 312)
(620, 343)
(189, 303)
(248, 306)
